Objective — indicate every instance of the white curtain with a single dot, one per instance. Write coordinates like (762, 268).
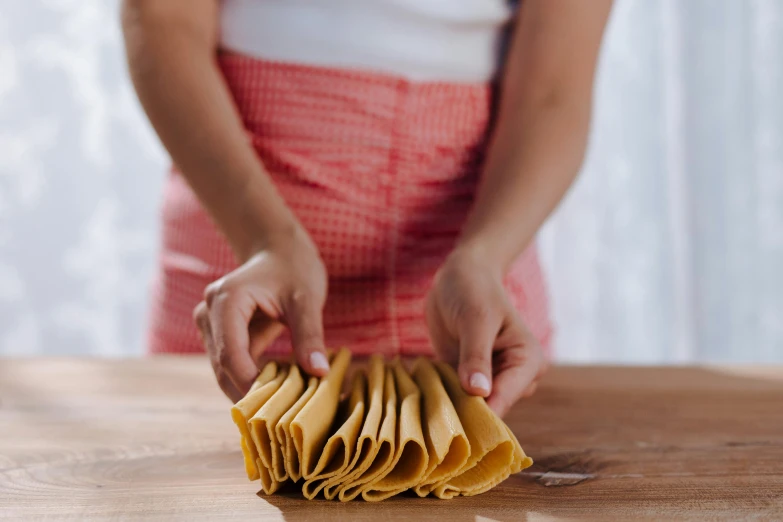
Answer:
(669, 248)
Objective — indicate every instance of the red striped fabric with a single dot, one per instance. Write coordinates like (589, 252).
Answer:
(379, 170)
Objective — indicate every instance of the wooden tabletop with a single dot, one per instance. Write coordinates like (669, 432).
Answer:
(152, 438)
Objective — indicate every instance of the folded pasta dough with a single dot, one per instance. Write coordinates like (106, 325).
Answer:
(447, 444)
(268, 484)
(386, 440)
(243, 410)
(283, 433)
(262, 431)
(410, 458)
(268, 373)
(341, 446)
(310, 427)
(394, 431)
(520, 462)
(493, 451)
(367, 445)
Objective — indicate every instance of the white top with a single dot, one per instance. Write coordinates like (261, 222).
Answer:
(420, 40)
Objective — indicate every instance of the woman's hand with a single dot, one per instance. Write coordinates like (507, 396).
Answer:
(243, 312)
(474, 327)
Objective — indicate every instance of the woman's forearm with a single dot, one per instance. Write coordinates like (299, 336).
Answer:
(541, 133)
(529, 168)
(171, 48)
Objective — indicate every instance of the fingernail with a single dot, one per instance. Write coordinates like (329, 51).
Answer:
(318, 361)
(479, 381)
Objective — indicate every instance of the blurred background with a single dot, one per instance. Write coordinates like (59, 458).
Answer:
(669, 248)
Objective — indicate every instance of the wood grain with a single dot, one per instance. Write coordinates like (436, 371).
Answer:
(152, 439)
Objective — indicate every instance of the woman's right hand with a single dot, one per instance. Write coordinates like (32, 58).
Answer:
(171, 48)
(285, 284)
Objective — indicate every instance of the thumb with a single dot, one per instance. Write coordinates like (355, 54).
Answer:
(444, 346)
(304, 318)
(476, 339)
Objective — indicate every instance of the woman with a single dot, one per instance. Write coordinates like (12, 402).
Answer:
(326, 189)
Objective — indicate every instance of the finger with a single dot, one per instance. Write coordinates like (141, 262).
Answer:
(530, 390)
(477, 333)
(304, 317)
(516, 380)
(201, 317)
(263, 331)
(226, 384)
(229, 316)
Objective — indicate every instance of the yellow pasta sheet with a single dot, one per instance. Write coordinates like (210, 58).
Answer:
(394, 429)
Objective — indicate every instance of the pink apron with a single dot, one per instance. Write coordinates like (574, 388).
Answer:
(380, 171)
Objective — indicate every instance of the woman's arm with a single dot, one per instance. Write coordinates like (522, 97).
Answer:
(541, 133)
(171, 47)
(533, 157)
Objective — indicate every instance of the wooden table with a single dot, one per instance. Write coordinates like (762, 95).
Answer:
(98, 439)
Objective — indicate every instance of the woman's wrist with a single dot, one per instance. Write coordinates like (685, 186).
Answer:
(479, 255)
(277, 233)
(265, 222)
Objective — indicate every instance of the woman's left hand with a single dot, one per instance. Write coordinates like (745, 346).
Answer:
(474, 327)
